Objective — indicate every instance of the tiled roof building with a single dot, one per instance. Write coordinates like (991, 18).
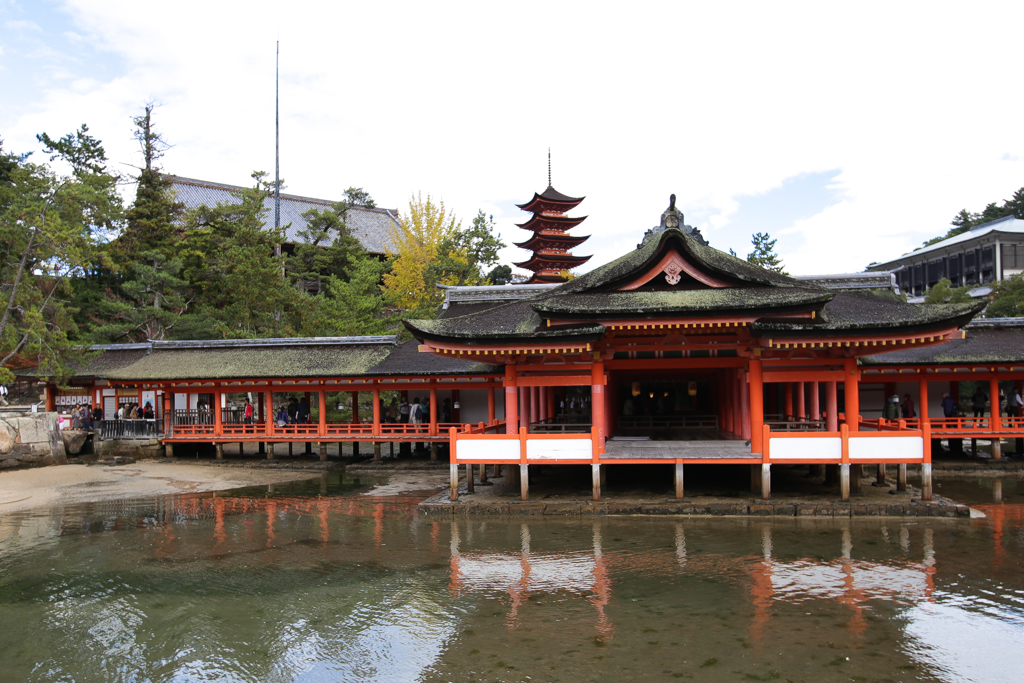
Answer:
(370, 226)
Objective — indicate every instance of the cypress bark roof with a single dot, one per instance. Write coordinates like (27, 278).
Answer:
(592, 299)
(269, 359)
(980, 345)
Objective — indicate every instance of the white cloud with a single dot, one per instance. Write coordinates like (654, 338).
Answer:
(712, 102)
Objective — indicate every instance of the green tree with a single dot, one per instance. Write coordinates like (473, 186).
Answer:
(229, 258)
(326, 246)
(354, 306)
(764, 254)
(965, 220)
(943, 292)
(1007, 298)
(463, 255)
(51, 226)
(150, 302)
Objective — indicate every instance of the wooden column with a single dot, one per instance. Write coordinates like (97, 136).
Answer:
(524, 482)
(744, 405)
(880, 474)
(469, 478)
(524, 408)
(218, 414)
(269, 422)
(995, 425)
(552, 402)
(534, 404)
(852, 388)
(355, 421)
(322, 413)
(491, 401)
(219, 449)
(756, 392)
(815, 412)
(433, 425)
(376, 423)
(901, 477)
(679, 481)
(595, 481)
(511, 401)
(542, 403)
(597, 406)
(844, 481)
(309, 404)
(453, 481)
(261, 412)
(801, 401)
(831, 407)
(787, 401)
(922, 400)
(726, 405)
(766, 481)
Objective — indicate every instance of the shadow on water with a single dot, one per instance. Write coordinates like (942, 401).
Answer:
(320, 580)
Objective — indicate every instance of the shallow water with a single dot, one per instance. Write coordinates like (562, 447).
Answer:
(319, 582)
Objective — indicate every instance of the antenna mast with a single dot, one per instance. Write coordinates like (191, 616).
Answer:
(277, 138)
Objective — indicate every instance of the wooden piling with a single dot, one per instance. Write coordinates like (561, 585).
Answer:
(679, 481)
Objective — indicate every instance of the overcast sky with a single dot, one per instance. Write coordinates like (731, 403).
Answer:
(849, 131)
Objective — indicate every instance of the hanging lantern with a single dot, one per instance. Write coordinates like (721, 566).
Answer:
(636, 388)
(457, 405)
(691, 389)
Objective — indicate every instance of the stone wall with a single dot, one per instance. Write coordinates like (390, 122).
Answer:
(30, 440)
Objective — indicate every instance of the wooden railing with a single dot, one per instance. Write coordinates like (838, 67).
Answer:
(473, 445)
(129, 429)
(894, 442)
(652, 422)
(558, 425)
(199, 425)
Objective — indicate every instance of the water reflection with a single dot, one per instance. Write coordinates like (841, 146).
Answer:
(327, 584)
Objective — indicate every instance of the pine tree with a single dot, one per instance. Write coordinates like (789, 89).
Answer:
(764, 254)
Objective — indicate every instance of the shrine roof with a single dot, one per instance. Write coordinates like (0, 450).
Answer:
(593, 298)
(870, 310)
(981, 344)
(551, 195)
(284, 358)
(718, 301)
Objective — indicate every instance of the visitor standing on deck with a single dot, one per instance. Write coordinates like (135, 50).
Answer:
(979, 400)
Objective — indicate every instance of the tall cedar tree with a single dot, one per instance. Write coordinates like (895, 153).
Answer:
(327, 247)
(51, 226)
(229, 258)
(148, 299)
(764, 253)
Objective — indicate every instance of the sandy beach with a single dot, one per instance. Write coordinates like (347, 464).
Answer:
(66, 484)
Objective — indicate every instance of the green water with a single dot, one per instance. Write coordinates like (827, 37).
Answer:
(320, 582)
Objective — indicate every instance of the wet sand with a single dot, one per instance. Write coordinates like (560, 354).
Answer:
(61, 485)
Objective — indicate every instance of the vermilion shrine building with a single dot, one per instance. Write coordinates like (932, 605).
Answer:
(675, 353)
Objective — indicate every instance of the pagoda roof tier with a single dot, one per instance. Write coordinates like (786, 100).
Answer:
(673, 277)
(544, 241)
(550, 200)
(539, 222)
(565, 261)
(545, 279)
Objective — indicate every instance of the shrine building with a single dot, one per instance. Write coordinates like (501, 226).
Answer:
(673, 354)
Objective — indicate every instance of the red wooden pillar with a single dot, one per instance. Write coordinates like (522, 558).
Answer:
(552, 403)
(491, 401)
(218, 414)
(433, 410)
(922, 399)
(355, 407)
(787, 401)
(815, 413)
(772, 404)
(376, 411)
(511, 401)
(597, 407)
(744, 405)
(260, 415)
(269, 422)
(322, 412)
(852, 387)
(727, 404)
(534, 404)
(995, 424)
(801, 401)
(831, 407)
(542, 410)
(524, 408)
(737, 403)
(756, 391)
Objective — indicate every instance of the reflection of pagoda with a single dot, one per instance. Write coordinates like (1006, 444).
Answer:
(551, 241)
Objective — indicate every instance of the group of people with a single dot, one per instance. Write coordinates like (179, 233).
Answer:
(292, 412)
(1010, 407)
(82, 417)
(131, 411)
(895, 410)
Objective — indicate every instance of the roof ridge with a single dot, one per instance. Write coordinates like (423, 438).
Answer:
(297, 197)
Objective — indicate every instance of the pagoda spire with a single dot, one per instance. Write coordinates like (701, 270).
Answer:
(551, 242)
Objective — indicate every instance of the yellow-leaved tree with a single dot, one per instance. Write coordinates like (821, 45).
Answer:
(415, 245)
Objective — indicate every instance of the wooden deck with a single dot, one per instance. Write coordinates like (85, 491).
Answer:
(711, 449)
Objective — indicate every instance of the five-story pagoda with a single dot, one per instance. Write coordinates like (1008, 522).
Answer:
(551, 242)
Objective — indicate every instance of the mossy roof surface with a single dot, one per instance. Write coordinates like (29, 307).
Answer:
(512, 320)
(714, 261)
(254, 362)
(406, 359)
(684, 302)
(981, 345)
(98, 364)
(875, 310)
